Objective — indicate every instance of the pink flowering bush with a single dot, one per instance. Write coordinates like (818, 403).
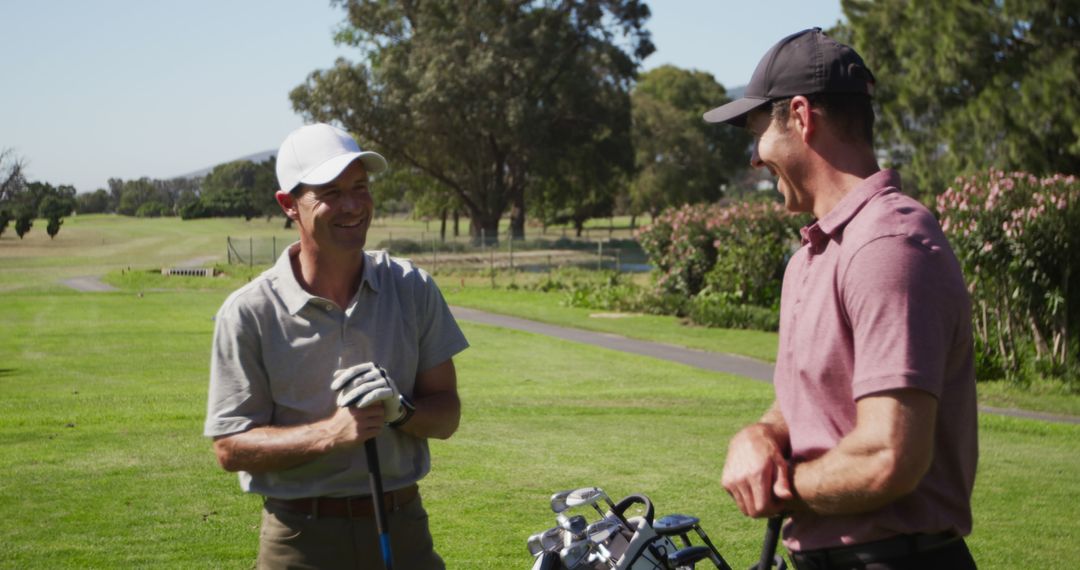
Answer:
(734, 252)
(1016, 236)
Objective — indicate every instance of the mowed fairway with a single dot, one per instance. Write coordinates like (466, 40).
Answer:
(102, 462)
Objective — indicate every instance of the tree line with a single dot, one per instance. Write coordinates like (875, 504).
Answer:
(22, 201)
(239, 188)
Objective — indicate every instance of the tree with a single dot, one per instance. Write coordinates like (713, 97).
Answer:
(679, 157)
(240, 188)
(44, 200)
(12, 184)
(53, 208)
(474, 93)
(964, 85)
(23, 223)
(96, 202)
(134, 194)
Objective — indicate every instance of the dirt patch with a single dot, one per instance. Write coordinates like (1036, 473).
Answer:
(89, 284)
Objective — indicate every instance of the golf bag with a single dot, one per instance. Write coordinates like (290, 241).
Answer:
(618, 541)
(645, 550)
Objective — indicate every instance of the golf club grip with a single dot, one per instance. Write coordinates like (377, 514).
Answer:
(371, 450)
(772, 537)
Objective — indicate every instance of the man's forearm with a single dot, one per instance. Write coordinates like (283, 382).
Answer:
(275, 448)
(437, 416)
(438, 408)
(880, 461)
(271, 448)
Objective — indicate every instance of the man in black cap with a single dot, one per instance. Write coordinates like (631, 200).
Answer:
(870, 446)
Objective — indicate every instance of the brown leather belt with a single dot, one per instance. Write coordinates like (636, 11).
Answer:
(897, 547)
(345, 507)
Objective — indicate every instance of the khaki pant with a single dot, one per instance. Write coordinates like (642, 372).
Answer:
(295, 540)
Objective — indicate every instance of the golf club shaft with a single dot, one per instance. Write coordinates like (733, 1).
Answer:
(720, 562)
(772, 537)
(372, 452)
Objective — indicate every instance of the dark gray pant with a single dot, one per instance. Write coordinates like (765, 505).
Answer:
(295, 540)
(954, 556)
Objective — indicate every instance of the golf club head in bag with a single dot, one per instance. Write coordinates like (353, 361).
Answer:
(550, 540)
(687, 558)
(547, 561)
(680, 525)
(626, 536)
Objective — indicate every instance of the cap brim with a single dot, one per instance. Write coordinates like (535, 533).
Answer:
(329, 170)
(734, 113)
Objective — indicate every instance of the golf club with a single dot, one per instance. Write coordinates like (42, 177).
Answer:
(678, 524)
(592, 495)
(558, 501)
(547, 561)
(576, 554)
(768, 548)
(371, 451)
(574, 526)
(602, 530)
(600, 533)
(375, 474)
(549, 540)
(687, 557)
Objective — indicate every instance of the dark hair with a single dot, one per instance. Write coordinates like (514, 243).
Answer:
(850, 114)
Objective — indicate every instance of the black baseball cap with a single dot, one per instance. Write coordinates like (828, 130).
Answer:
(804, 63)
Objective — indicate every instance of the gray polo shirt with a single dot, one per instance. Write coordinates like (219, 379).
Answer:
(276, 348)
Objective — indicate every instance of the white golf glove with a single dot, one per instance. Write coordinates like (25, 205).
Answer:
(363, 385)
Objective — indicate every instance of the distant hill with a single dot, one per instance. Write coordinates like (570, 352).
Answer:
(256, 158)
(736, 92)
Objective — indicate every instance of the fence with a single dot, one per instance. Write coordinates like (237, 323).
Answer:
(253, 251)
(433, 253)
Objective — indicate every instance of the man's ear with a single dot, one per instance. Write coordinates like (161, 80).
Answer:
(802, 115)
(288, 204)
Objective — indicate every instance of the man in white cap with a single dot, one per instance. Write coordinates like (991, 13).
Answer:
(870, 446)
(330, 347)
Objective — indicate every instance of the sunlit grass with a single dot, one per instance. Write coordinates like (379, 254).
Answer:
(102, 464)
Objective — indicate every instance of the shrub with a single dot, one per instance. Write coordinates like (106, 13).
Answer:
(738, 250)
(718, 310)
(1014, 234)
(608, 291)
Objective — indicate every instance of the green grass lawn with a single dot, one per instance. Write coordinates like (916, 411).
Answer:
(102, 398)
(102, 465)
(548, 307)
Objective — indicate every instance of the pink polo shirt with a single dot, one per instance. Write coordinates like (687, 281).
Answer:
(875, 301)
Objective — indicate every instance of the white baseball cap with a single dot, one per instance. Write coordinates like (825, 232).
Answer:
(316, 154)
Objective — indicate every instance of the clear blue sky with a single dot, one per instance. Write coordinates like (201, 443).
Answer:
(91, 90)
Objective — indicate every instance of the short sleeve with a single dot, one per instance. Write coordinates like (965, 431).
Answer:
(239, 396)
(902, 316)
(440, 336)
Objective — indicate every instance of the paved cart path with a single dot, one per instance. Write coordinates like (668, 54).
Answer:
(715, 361)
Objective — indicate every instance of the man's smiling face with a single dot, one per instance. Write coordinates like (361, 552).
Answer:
(337, 215)
(775, 148)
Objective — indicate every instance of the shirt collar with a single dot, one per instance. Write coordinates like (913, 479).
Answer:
(295, 296)
(818, 232)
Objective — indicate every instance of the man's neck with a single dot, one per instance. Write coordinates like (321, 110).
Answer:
(838, 175)
(333, 275)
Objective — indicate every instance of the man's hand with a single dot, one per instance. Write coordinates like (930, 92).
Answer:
(756, 472)
(364, 384)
